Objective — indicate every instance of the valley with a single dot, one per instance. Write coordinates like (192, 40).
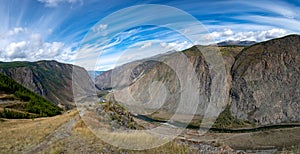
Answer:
(260, 112)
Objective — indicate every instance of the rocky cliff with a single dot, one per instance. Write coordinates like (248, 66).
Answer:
(50, 79)
(266, 87)
(262, 81)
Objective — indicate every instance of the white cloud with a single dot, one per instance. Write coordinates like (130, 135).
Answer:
(54, 3)
(16, 31)
(178, 46)
(100, 29)
(214, 35)
(146, 45)
(227, 32)
(257, 36)
(21, 44)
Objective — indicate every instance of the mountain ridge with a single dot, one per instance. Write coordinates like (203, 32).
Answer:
(50, 79)
(242, 91)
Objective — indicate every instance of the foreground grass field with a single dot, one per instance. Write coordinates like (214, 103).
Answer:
(18, 135)
(67, 133)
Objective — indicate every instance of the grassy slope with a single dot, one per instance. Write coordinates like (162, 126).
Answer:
(17, 136)
(28, 100)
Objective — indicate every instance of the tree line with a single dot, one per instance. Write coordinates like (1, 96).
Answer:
(34, 103)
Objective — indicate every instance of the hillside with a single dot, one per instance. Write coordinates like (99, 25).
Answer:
(17, 101)
(50, 79)
(265, 86)
(262, 82)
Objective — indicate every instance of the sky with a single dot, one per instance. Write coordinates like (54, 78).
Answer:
(100, 35)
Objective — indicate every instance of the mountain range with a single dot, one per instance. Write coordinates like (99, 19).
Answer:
(262, 80)
(236, 43)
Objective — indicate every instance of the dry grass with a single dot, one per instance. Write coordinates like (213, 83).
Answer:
(84, 141)
(272, 138)
(17, 135)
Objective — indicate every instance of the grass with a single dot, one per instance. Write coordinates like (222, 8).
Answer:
(287, 138)
(135, 140)
(17, 135)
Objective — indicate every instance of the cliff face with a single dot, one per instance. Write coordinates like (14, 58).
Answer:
(50, 79)
(262, 81)
(161, 87)
(129, 72)
(266, 87)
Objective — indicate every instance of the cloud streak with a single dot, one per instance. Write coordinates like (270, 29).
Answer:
(55, 28)
(55, 3)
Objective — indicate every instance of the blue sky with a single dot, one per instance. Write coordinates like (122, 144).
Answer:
(34, 30)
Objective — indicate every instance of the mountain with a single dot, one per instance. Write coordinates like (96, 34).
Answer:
(154, 71)
(129, 72)
(236, 43)
(266, 86)
(19, 102)
(262, 82)
(50, 79)
(94, 74)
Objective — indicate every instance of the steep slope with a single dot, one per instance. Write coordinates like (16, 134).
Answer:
(167, 78)
(17, 101)
(266, 86)
(130, 72)
(50, 79)
(262, 81)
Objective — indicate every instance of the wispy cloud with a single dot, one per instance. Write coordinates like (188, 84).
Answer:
(284, 23)
(146, 45)
(54, 3)
(278, 7)
(55, 28)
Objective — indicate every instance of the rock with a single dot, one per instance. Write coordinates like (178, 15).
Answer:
(266, 86)
(50, 79)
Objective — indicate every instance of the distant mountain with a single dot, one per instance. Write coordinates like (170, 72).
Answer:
(19, 102)
(50, 79)
(94, 74)
(236, 43)
(129, 72)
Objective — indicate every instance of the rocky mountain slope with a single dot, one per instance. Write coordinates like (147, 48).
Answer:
(50, 79)
(129, 72)
(266, 87)
(166, 77)
(262, 81)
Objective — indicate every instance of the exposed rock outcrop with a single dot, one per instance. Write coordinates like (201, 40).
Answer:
(50, 79)
(266, 86)
(262, 81)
